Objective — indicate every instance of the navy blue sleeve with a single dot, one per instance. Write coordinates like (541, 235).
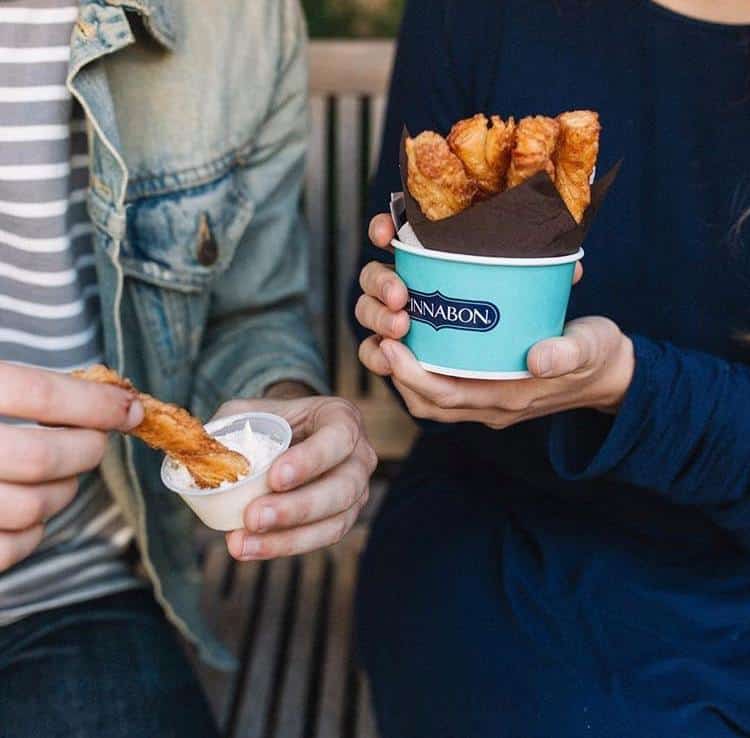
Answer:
(683, 431)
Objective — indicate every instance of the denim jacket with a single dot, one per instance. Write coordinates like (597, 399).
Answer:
(197, 121)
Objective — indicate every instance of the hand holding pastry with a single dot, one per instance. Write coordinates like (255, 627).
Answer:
(181, 436)
(39, 467)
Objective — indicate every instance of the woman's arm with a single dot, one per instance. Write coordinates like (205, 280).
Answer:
(683, 430)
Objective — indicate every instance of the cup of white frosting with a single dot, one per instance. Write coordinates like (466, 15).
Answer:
(260, 438)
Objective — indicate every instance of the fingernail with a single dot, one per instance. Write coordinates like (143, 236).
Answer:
(286, 474)
(266, 518)
(250, 546)
(545, 362)
(135, 414)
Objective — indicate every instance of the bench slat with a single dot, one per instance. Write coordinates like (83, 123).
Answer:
(377, 119)
(215, 683)
(229, 617)
(337, 658)
(366, 727)
(299, 668)
(350, 66)
(255, 706)
(316, 187)
(348, 199)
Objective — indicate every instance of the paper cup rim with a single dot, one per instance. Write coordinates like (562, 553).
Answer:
(491, 260)
(216, 425)
(475, 374)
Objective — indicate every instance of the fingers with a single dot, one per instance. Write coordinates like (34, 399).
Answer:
(335, 432)
(246, 547)
(329, 495)
(578, 273)
(444, 392)
(422, 408)
(382, 231)
(381, 282)
(58, 399)
(436, 397)
(15, 547)
(375, 316)
(23, 507)
(37, 455)
(373, 358)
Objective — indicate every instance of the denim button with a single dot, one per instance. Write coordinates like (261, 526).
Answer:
(208, 250)
(87, 30)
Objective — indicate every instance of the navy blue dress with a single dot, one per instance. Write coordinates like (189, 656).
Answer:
(584, 575)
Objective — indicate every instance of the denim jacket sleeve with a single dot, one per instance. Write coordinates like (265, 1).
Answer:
(252, 343)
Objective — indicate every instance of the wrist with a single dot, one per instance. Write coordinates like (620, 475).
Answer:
(288, 390)
(616, 377)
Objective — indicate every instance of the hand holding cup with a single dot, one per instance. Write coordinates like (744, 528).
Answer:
(591, 365)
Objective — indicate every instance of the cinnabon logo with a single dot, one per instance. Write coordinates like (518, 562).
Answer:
(440, 312)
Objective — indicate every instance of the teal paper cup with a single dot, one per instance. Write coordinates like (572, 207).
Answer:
(476, 316)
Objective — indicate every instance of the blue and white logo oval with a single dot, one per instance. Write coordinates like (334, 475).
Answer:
(439, 311)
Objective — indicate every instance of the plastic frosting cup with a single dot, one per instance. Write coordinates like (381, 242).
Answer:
(477, 316)
(223, 508)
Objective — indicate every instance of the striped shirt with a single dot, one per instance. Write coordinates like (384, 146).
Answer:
(49, 304)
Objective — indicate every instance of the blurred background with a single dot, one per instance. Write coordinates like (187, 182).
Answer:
(353, 18)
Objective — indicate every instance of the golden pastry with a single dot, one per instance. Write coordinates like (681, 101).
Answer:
(436, 177)
(175, 431)
(575, 158)
(484, 151)
(536, 138)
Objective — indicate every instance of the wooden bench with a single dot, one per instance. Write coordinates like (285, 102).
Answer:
(290, 621)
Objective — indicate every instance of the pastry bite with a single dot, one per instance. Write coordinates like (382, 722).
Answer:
(259, 437)
(536, 139)
(262, 449)
(575, 158)
(178, 434)
(484, 148)
(436, 177)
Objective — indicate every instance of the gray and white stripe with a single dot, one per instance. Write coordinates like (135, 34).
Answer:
(49, 296)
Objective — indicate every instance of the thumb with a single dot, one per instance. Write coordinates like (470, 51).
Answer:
(556, 357)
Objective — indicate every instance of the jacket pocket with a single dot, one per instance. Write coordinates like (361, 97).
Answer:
(173, 248)
(185, 239)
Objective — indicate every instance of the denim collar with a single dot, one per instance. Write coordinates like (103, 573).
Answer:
(160, 17)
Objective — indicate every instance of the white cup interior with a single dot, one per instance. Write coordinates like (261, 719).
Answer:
(266, 424)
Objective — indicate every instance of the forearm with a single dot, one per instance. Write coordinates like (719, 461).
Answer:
(289, 390)
(250, 354)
